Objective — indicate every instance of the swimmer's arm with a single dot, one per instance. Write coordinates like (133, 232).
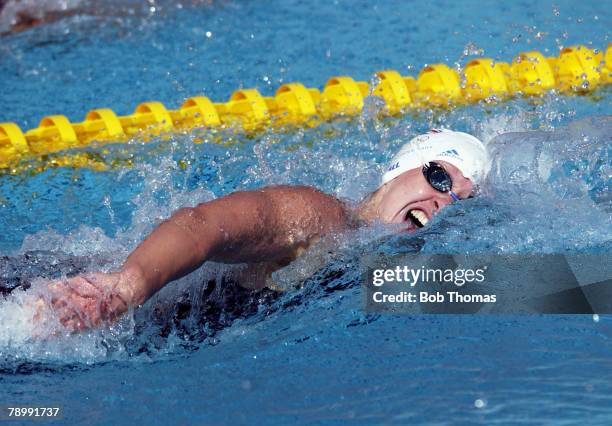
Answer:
(255, 226)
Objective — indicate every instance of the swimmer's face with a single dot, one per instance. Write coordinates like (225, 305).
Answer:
(410, 199)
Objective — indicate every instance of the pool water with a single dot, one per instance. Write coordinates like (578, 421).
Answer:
(205, 351)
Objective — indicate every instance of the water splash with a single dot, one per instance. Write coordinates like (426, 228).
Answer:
(538, 180)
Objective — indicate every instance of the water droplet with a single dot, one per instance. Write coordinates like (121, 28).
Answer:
(480, 403)
(208, 34)
(472, 49)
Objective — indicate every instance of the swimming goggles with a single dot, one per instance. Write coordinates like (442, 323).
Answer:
(439, 179)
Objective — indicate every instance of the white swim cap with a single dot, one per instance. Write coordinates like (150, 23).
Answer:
(463, 151)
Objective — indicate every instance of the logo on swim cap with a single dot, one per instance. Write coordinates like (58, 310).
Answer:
(393, 166)
(462, 150)
(451, 153)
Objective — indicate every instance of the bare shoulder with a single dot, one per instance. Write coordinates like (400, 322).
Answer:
(308, 207)
(307, 193)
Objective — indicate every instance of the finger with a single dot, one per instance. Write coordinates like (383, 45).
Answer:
(76, 285)
(71, 320)
(73, 325)
(65, 312)
(55, 285)
(57, 292)
(76, 315)
(58, 302)
(88, 311)
(69, 297)
(112, 307)
(38, 307)
(65, 317)
(66, 295)
(84, 287)
(36, 303)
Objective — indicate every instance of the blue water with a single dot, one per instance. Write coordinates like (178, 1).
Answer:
(309, 355)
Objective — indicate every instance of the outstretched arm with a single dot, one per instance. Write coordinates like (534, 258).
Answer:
(270, 224)
(255, 226)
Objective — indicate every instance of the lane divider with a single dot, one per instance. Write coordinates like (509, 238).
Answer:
(576, 70)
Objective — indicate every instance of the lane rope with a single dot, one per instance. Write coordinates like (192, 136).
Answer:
(576, 70)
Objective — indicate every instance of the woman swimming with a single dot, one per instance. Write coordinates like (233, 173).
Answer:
(270, 227)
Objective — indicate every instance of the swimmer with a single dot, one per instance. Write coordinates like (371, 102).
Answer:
(271, 226)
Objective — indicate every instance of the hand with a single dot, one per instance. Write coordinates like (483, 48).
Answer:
(90, 300)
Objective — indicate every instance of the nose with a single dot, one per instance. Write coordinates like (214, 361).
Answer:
(440, 201)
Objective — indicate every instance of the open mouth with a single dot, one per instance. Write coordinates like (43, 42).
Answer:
(418, 217)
